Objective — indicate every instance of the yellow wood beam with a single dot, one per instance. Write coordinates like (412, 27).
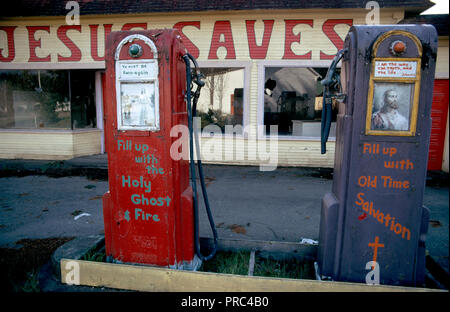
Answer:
(155, 279)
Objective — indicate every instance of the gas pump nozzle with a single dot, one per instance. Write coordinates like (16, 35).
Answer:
(330, 78)
(196, 77)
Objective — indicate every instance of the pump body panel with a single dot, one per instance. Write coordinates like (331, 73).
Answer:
(148, 213)
(375, 212)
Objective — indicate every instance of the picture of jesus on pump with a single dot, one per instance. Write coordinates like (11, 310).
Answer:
(389, 117)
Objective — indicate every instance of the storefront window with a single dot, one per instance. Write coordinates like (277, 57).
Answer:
(293, 101)
(47, 99)
(221, 101)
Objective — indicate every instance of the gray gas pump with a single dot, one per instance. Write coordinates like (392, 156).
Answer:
(373, 224)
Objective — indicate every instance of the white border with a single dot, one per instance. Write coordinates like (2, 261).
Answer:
(154, 80)
(131, 38)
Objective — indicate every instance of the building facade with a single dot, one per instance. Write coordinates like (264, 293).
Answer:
(262, 65)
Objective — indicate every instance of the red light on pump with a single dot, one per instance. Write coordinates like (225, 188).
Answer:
(398, 47)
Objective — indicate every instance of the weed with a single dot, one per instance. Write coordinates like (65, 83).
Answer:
(31, 284)
(57, 164)
(95, 255)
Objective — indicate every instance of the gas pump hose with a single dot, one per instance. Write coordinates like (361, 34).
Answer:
(192, 112)
(327, 101)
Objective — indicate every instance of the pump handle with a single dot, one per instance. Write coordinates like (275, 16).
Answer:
(329, 79)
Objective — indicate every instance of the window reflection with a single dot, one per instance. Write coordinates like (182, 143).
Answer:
(293, 100)
(221, 101)
(54, 99)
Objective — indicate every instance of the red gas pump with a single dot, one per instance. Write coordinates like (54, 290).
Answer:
(150, 210)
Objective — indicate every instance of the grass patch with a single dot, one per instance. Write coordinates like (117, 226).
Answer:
(20, 264)
(227, 262)
(287, 268)
(95, 255)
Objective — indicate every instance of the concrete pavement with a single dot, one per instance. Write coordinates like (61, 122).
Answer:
(42, 199)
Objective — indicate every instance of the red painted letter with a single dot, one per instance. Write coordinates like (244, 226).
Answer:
(222, 28)
(192, 48)
(75, 52)
(10, 39)
(290, 38)
(130, 26)
(328, 30)
(36, 44)
(94, 40)
(256, 51)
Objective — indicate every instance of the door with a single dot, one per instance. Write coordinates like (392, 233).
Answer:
(439, 112)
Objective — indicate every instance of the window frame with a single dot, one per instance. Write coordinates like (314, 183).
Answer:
(246, 66)
(260, 83)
